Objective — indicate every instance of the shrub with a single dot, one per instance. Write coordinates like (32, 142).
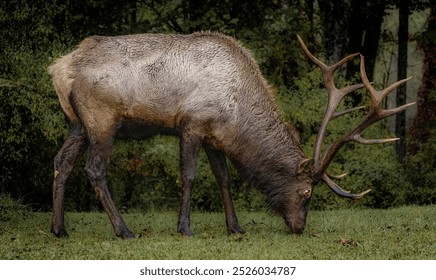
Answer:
(11, 209)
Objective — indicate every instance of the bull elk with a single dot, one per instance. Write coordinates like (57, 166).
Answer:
(208, 90)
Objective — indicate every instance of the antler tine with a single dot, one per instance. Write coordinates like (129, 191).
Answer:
(338, 114)
(334, 96)
(337, 176)
(339, 191)
(375, 113)
(343, 61)
(378, 95)
(361, 140)
(327, 71)
(310, 55)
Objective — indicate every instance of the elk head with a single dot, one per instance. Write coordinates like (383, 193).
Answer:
(311, 171)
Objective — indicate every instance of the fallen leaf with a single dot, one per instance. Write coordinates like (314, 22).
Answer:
(347, 242)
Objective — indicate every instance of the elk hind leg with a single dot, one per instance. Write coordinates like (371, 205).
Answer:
(96, 168)
(64, 162)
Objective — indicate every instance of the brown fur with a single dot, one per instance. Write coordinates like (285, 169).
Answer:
(204, 87)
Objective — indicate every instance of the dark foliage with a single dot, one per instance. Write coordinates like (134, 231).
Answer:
(145, 174)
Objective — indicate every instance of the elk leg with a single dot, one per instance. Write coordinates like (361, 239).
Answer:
(221, 171)
(96, 167)
(189, 149)
(64, 162)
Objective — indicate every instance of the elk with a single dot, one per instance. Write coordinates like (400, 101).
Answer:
(208, 90)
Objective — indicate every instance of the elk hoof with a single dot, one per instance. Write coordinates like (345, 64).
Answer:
(186, 232)
(62, 233)
(126, 234)
(235, 230)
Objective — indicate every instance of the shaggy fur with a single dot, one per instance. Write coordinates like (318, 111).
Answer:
(205, 88)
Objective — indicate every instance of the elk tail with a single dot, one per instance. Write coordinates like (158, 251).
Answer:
(63, 75)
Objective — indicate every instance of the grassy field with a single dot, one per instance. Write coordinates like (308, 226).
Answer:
(402, 233)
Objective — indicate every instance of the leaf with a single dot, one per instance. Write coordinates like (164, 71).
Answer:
(347, 242)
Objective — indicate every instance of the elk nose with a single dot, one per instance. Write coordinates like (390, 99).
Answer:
(295, 227)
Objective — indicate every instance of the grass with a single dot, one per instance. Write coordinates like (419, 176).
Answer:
(401, 233)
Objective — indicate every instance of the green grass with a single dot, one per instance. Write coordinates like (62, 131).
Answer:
(401, 233)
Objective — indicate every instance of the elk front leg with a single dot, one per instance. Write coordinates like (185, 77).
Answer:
(221, 171)
(96, 167)
(190, 146)
(64, 162)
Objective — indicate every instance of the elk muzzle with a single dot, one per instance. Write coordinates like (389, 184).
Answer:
(296, 226)
(295, 218)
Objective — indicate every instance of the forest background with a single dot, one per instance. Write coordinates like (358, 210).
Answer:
(397, 37)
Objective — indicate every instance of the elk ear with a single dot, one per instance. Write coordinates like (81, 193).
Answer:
(305, 165)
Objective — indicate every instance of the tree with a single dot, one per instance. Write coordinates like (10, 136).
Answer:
(420, 164)
(334, 17)
(403, 39)
(32, 125)
(31, 122)
(351, 26)
(423, 129)
(364, 31)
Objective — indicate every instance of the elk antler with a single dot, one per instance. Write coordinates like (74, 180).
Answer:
(375, 113)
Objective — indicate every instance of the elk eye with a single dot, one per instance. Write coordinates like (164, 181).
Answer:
(307, 193)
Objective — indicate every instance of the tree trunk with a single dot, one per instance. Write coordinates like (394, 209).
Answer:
(309, 12)
(400, 121)
(424, 124)
(364, 29)
(355, 35)
(375, 15)
(333, 16)
(133, 17)
(364, 38)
